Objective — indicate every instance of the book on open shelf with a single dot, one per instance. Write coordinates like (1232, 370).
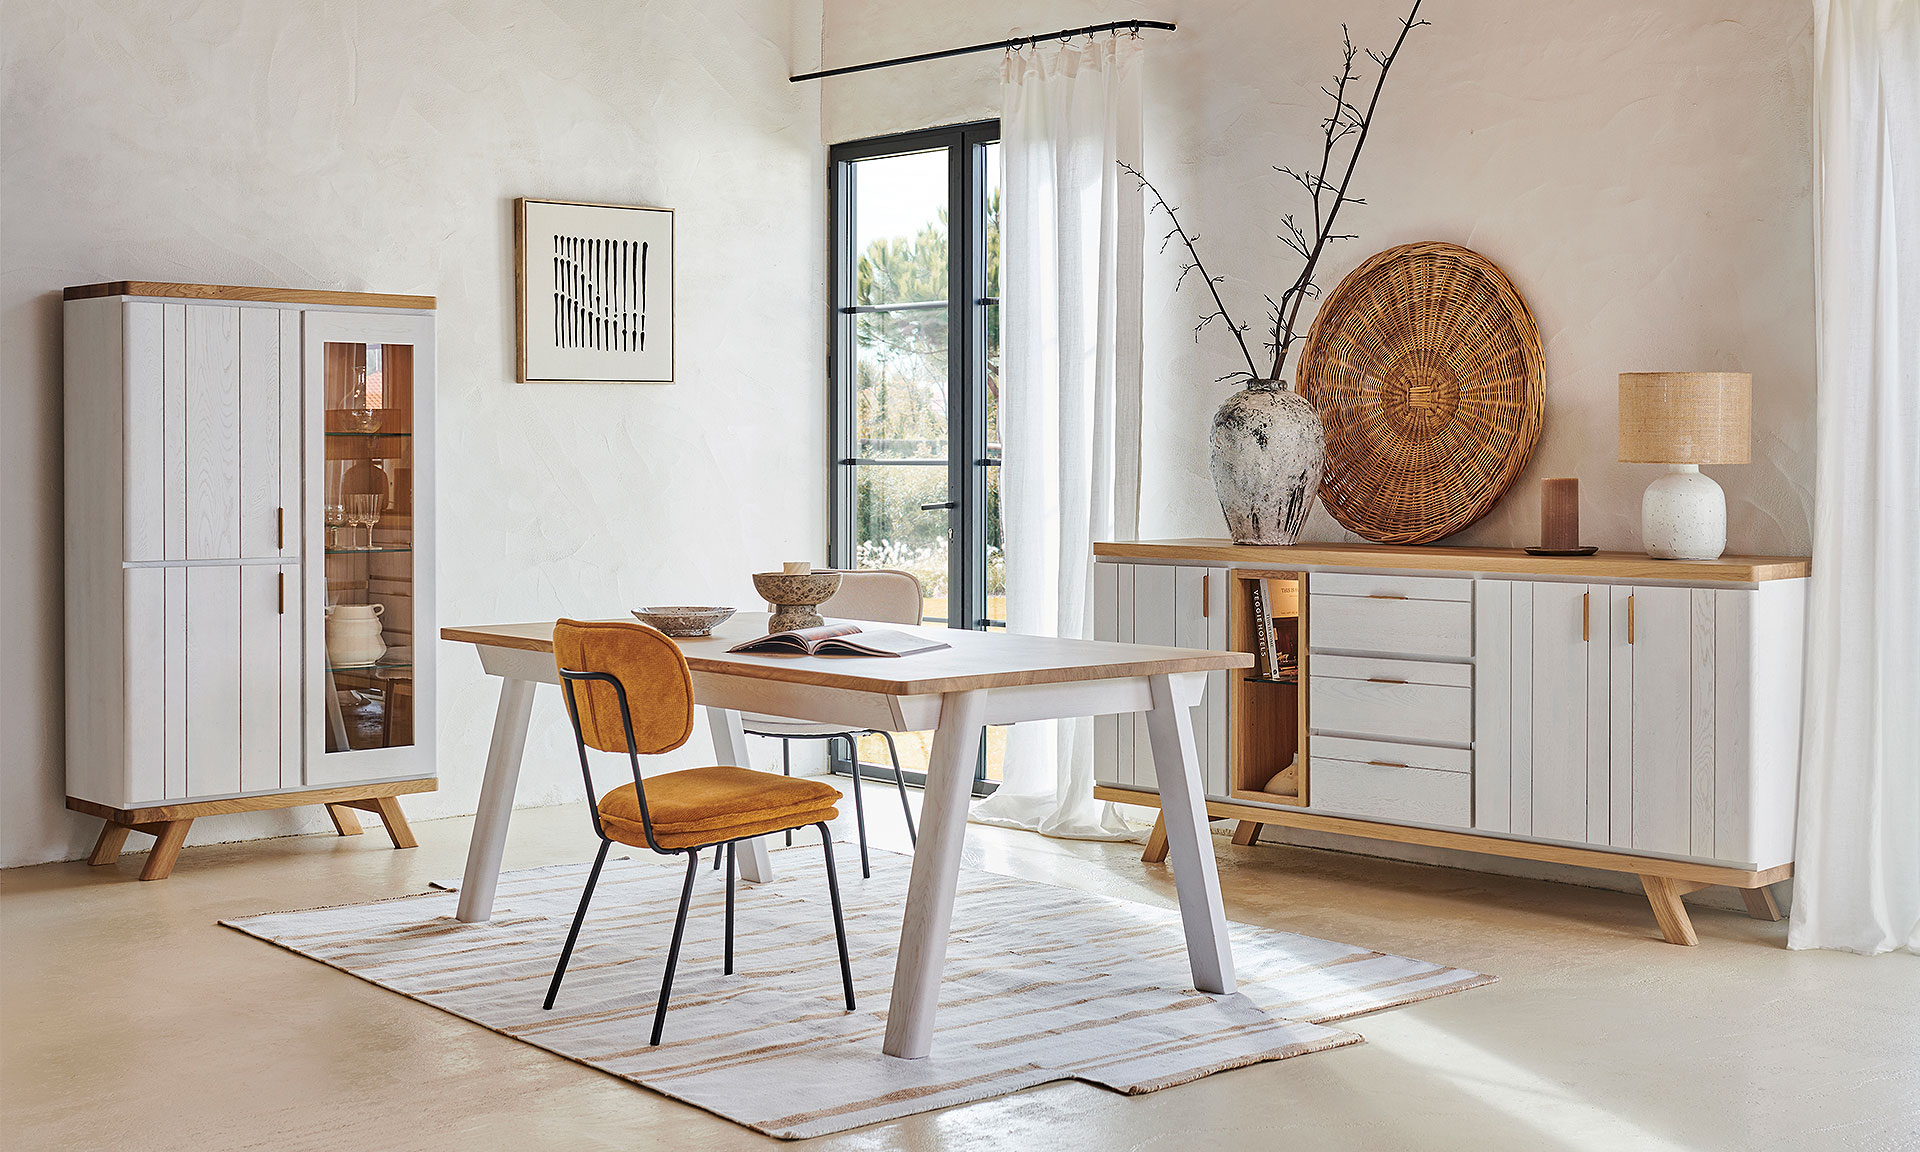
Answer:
(1263, 637)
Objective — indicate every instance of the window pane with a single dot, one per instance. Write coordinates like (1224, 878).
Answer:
(892, 532)
(900, 386)
(900, 228)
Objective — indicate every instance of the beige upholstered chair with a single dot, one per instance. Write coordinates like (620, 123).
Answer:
(882, 596)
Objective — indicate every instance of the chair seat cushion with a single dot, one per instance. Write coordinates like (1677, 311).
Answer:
(760, 725)
(710, 805)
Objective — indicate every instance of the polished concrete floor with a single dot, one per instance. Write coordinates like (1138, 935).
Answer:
(131, 1020)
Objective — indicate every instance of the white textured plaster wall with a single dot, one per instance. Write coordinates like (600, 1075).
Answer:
(378, 147)
(1642, 170)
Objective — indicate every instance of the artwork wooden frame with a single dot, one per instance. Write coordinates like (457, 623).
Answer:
(593, 289)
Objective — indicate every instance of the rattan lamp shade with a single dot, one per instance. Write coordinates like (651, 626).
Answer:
(1426, 369)
(1685, 417)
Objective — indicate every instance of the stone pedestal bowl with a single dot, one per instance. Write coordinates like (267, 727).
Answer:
(683, 619)
(794, 597)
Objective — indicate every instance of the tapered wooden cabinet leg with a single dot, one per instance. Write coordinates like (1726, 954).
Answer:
(1156, 841)
(1664, 895)
(344, 821)
(112, 838)
(398, 830)
(1760, 903)
(168, 839)
(1247, 832)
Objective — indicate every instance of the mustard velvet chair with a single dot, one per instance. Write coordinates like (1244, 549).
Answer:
(879, 595)
(628, 691)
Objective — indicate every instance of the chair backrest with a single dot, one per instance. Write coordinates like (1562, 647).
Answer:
(659, 689)
(882, 595)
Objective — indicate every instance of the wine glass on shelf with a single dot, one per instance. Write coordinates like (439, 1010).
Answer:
(336, 517)
(363, 510)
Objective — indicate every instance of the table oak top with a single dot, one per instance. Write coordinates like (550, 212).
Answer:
(976, 660)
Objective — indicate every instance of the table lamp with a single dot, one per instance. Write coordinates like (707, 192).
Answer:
(1684, 420)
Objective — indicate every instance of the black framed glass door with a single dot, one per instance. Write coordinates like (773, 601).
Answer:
(915, 359)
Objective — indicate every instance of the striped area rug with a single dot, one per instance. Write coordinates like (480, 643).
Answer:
(1042, 983)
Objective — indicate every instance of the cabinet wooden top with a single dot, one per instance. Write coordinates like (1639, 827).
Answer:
(1620, 566)
(233, 292)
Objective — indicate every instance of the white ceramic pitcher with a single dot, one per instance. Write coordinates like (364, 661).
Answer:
(353, 635)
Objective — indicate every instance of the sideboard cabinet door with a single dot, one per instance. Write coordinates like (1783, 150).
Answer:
(1662, 658)
(1176, 606)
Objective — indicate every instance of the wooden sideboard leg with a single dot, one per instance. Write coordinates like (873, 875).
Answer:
(1156, 841)
(1664, 895)
(1760, 903)
(112, 838)
(344, 821)
(168, 836)
(398, 830)
(1247, 832)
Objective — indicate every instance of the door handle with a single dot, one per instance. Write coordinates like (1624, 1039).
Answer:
(1206, 595)
(283, 593)
(1386, 764)
(1584, 598)
(1383, 680)
(280, 528)
(1629, 618)
(938, 506)
(1385, 596)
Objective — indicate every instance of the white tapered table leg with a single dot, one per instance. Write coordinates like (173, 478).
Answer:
(496, 799)
(1190, 845)
(730, 747)
(936, 873)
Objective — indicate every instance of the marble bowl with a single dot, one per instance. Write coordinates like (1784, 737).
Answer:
(794, 595)
(682, 619)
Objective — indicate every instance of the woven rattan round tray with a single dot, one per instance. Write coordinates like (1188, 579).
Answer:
(1425, 367)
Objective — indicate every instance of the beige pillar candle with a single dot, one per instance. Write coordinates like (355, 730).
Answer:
(1560, 513)
(797, 567)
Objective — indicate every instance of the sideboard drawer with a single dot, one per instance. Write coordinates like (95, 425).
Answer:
(1387, 623)
(1391, 701)
(1395, 586)
(1398, 782)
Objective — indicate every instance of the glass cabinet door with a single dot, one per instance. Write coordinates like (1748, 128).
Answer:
(372, 532)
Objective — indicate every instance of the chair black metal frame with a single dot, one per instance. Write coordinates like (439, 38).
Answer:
(692, 851)
(851, 736)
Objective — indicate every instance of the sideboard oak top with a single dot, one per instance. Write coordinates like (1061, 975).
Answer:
(217, 292)
(1602, 566)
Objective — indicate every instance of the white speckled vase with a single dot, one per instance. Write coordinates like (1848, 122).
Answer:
(1269, 451)
(1683, 516)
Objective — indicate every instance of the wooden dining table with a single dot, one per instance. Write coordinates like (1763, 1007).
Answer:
(982, 678)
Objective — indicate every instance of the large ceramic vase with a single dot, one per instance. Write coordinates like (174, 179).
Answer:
(1269, 451)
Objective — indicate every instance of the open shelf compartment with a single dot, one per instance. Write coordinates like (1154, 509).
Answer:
(1267, 749)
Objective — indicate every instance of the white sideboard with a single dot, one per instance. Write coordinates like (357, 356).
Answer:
(1611, 711)
(210, 432)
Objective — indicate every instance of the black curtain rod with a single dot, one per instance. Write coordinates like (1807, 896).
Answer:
(1020, 42)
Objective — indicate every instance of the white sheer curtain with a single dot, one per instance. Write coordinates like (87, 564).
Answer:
(1071, 255)
(1857, 869)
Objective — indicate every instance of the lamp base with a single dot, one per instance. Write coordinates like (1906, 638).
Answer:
(1683, 516)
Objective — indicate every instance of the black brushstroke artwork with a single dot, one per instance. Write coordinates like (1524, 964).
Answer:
(600, 294)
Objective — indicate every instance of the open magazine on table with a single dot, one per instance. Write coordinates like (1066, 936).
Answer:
(841, 640)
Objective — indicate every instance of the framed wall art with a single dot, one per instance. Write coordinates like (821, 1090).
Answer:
(594, 292)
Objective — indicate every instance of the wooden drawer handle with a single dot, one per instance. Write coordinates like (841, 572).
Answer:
(1383, 680)
(1629, 619)
(1385, 596)
(1386, 764)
